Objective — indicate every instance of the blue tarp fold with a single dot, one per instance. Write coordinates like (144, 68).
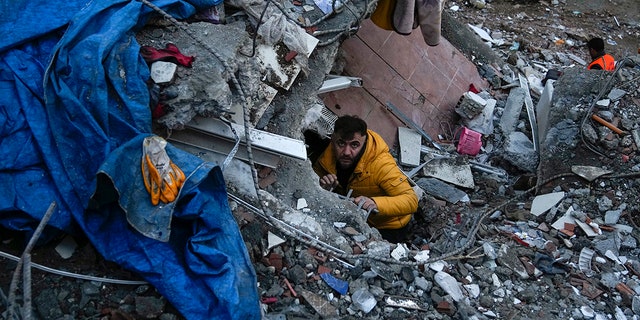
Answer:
(74, 109)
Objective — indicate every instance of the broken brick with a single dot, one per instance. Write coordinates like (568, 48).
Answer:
(290, 55)
(445, 307)
(526, 262)
(322, 269)
(590, 291)
(569, 227)
(275, 260)
(625, 290)
(269, 180)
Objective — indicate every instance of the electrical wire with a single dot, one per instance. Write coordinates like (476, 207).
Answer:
(605, 88)
(73, 275)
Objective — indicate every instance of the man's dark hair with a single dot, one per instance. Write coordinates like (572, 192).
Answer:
(596, 44)
(346, 126)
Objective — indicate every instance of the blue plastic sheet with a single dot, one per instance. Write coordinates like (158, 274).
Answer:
(74, 109)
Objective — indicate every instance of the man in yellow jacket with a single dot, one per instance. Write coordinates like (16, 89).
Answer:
(358, 159)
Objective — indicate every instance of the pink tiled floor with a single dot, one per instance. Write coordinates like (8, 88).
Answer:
(423, 82)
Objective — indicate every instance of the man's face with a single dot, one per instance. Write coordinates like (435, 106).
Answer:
(348, 151)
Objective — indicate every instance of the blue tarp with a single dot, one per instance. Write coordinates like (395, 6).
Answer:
(74, 110)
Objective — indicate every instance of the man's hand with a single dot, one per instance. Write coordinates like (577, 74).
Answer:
(329, 182)
(365, 203)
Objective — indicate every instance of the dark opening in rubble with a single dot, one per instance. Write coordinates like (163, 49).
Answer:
(315, 143)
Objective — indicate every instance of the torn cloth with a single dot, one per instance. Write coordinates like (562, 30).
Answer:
(402, 16)
(73, 94)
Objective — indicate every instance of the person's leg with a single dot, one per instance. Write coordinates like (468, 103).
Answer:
(395, 235)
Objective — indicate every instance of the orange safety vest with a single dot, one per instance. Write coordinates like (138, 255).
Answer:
(605, 61)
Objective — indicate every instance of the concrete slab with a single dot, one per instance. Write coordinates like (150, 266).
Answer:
(410, 142)
(449, 171)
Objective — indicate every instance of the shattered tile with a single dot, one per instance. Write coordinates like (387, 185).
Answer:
(544, 202)
(321, 305)
(274, 240)
(336, 284)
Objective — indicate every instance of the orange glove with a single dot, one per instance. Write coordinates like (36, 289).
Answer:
(162, 178)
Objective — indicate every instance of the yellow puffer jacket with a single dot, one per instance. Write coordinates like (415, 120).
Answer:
(378, 177)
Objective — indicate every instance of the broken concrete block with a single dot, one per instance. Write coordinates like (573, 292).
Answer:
(588, 172)
(162, 71)
(449, 284)
(321, 305)
(470, 105)
(66, 247)
(441, 190)
(449, 170)
(400, 252)
(483, 122)
(301, 204)
(273, 240)
(364, 300)
(544, 202)
(410, 142)
(512, 110)
(508, 258)
(520, 151)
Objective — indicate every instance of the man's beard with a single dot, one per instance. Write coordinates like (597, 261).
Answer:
(346, 163)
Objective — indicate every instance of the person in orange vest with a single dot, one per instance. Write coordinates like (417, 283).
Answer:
(600, 59)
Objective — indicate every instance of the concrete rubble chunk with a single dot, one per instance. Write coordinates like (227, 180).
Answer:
(66, 247)
(508, 258)
(163, 72)
(400, 252)
(611, 217)
(473, 290)
(451, 171)
(422, 255)
(274, 240)
(320, 304)
(449, 284)
(410, 142)
(544, 202)
(512, 110)
(437, 265)
(382, 270)
(470, 105)
(301, 204)
(483, 122)
(520, 151)
(441, 190)
(589, 172)
(364, 300)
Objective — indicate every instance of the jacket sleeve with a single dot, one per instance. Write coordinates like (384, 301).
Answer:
(400, 198)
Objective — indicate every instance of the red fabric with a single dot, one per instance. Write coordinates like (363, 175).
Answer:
(158, 111)
(171, 53)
